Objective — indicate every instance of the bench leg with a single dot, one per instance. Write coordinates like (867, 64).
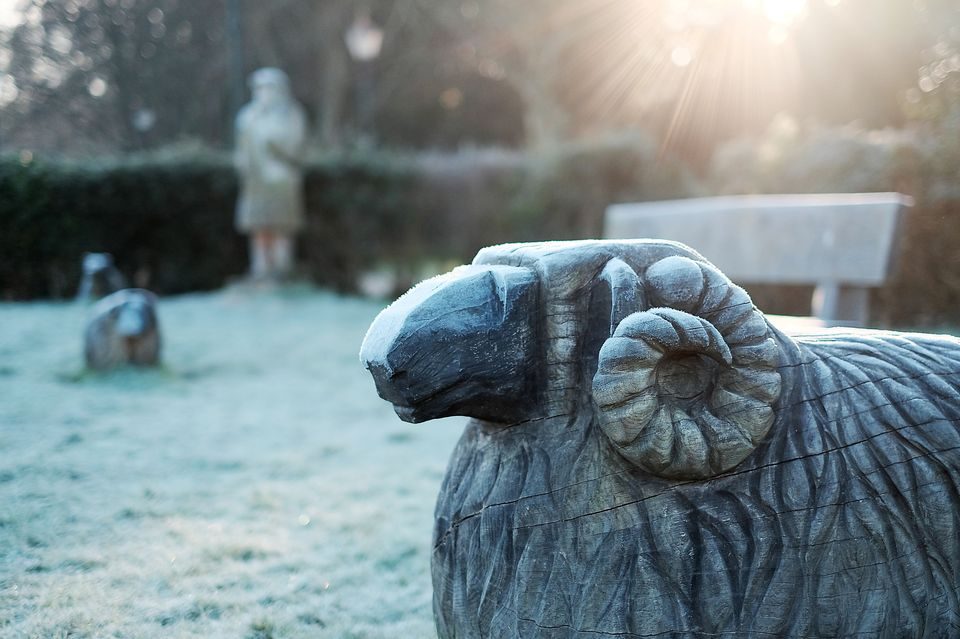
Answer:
(841, 305)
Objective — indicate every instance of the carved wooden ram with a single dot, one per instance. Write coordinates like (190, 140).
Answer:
(651, 458)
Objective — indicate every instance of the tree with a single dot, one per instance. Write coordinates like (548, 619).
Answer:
(98, 75)
(135, 73)
(116, 73)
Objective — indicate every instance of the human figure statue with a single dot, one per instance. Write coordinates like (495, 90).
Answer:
(270, 135)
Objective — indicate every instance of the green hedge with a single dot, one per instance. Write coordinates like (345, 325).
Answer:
(168, 220)
(163, 220)
(167, 217)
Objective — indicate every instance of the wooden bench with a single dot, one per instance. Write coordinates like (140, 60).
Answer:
(843, 244)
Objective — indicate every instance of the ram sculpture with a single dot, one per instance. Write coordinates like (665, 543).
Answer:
(123, 330)
(651, 457)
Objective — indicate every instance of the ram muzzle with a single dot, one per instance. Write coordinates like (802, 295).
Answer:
(458, 344)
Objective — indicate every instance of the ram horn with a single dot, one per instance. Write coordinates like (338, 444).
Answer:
(686, 390)
(626, 291)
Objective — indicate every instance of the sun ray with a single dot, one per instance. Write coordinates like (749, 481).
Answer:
(710, 67)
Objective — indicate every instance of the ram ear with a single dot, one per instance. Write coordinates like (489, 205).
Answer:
(686, 389)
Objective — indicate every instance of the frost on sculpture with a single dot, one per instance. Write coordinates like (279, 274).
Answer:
(651, 457)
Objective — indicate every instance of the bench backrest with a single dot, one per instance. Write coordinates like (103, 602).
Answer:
(776, 239)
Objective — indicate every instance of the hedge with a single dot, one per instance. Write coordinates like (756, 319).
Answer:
(167, 217)
(163, 220)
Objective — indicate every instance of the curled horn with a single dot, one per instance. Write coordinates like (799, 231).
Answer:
(686, 389)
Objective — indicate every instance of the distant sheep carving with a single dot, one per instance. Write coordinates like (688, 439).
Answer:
(650, 457)
(123, 330)
(100, 277)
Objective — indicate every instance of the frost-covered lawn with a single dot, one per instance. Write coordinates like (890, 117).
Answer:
(255, 487)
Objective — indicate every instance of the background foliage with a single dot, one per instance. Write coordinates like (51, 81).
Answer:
(559, 87)
(167, 216)
(95, 76)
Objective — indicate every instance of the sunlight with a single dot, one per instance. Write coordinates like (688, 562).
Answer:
(684, 14)
(702, 66)
(10, 14)
(782, 12)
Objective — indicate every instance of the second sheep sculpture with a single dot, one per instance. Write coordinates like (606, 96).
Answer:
(123, 330)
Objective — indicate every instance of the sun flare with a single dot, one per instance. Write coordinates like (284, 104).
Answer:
(781, 12)
(687, 14)
(707, 66)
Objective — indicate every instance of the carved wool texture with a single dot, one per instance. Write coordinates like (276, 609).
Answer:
(844, 522)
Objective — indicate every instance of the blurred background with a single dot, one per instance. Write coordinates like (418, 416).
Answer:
(482, 120)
